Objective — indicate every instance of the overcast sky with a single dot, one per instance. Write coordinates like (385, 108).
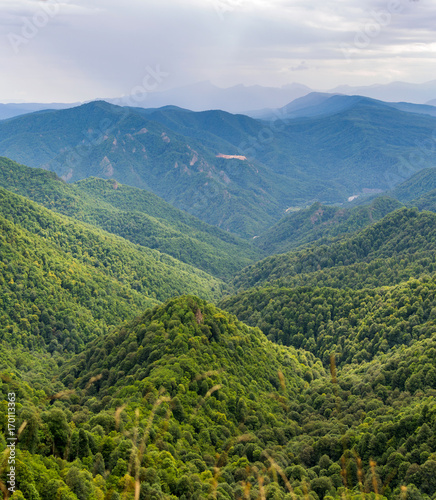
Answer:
(75, 50)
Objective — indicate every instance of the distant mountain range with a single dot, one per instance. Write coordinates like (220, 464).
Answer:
(233, 171)
(324, 104)
(204, 96)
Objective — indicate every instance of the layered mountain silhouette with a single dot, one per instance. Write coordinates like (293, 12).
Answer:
(232, 171)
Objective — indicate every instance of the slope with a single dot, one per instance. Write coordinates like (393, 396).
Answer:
(399, 246)
(229, 170)
(171, 405)
(321, 223)
(98, 139)
(418, 185)
(135, 214)
(195, 408)
(355, 325)
(426, 201)
(369, 146)
(62, 281)
(345, 146)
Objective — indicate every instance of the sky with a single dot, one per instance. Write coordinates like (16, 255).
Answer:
(78, 50)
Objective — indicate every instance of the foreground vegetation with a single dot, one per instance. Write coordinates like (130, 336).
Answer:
(316, 380)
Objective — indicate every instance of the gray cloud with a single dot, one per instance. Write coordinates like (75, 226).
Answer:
(97, 48)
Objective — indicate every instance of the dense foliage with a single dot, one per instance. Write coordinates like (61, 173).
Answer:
(321, 223)
(62, 282)
(187, 402)
(135, 214)
(403, 242)
(355, 325)
(325, 392)
(418, 185)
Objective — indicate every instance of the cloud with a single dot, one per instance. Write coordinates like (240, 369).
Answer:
(100, 49)
(301, 67)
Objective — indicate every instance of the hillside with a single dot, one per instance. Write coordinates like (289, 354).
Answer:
(352, 324)
(151, 356)
(193, 402)
(322, 223)
(418, 185)
(369, 146)
(187, 402)
(102, 140)
(392, 250)
(135, 214)
(231, 171)
(64, 282)
(426, 201)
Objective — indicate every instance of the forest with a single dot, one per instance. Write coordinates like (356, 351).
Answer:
(153, 356)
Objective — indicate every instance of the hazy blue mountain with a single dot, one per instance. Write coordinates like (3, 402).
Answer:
(231, 171)
(419, 93)
(102, 140)
(16, 109)
(204, 96)
(324, 104)
(368, 147)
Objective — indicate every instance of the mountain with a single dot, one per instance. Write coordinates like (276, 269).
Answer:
(351, 137)
(188, 402)
(64, 282)
(137, 215)
(322, 223)
(186, 369)
(363, 136)
(419, 93)
(231, 171)
(100, 139)
(398, 247)
(118, 395)
(325, 224)
(203, 96)
(324, 104)
(369, 146)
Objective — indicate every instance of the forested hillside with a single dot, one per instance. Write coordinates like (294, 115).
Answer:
(232, 171)
(63, 282)
(102, 140)
(355, 325)
(322, 223)
(400, 246)
(187, 402)
(415, 187)
(135, 214)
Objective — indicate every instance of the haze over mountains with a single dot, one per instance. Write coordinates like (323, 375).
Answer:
(204, 96)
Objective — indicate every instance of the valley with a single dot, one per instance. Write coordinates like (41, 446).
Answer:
(169, 330)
